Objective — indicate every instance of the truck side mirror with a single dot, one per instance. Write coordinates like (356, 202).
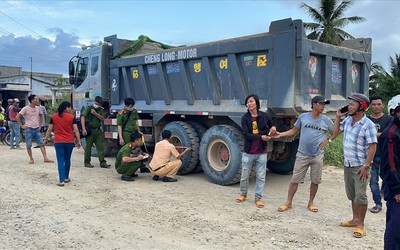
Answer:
(71, 70)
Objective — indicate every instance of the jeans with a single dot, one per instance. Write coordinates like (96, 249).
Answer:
(64, 152)
(260, 161)
(15, 133)
(374, 182)
(392, 236)
(33, 133)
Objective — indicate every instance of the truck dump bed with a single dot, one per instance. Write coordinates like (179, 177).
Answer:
(283, 67)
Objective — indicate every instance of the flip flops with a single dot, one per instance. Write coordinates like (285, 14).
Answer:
(259, 203)
(284, 208)
(346, 224)
(358, 233)
(375, 209)
(313, 208)
(241, 198)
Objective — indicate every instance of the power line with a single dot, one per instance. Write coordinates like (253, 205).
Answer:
(21, 24)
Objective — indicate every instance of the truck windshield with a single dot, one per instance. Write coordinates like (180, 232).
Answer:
(81, 73)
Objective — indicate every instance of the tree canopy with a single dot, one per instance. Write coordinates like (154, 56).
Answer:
(329, 21)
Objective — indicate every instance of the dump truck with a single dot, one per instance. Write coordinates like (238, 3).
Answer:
(198, 92)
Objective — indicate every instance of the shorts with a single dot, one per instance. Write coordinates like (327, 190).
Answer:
(303, 162)
(33, 133)
(356, 190)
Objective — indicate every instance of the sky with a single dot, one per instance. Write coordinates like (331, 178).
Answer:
(45, 35)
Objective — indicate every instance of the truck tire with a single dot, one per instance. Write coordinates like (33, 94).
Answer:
(285, 163)
(200, 130)
(183, 134)
(221, 155)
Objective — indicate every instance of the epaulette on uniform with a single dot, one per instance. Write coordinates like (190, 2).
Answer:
(131, 146)
(122, 112)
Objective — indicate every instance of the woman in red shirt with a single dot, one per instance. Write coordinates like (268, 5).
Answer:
(64, 129)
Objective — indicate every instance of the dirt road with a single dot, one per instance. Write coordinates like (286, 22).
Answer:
(99, 211)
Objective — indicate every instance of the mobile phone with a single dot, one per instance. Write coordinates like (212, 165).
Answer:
(344, 109)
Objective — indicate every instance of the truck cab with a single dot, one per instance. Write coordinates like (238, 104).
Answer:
(88, 75)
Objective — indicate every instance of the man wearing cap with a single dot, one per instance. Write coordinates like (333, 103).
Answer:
(10, 103)
(313, 138)
(95, 115)
(14, 126)
(359, 147)
(129, 158)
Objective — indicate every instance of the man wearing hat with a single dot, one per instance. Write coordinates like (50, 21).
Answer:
(14, 126)
(313, 138)
(359, 146)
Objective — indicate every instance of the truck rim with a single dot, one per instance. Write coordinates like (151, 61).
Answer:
(218, 154)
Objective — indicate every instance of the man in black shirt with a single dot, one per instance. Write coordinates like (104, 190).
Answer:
(381, 121)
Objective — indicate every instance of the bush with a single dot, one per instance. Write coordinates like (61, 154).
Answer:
(334, 152)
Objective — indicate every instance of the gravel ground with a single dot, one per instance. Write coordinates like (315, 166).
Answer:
(99, 211)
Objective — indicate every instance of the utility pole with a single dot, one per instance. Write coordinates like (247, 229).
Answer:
(30, 80)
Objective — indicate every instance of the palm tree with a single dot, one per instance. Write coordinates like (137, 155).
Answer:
(330, 21)
(383, 83)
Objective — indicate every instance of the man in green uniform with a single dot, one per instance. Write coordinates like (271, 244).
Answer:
(95, 115)
(129, 158)
(127, 121)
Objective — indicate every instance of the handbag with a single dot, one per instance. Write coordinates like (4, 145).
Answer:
(88, 128)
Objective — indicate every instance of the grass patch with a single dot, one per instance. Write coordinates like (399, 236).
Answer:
(334, 152)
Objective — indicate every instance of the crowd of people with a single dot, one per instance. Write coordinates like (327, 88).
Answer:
(371, 147)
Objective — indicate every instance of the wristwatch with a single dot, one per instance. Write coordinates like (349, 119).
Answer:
(329, 140)
(366, 167)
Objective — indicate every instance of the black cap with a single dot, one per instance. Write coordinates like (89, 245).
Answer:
(319, 98)
(98, 99)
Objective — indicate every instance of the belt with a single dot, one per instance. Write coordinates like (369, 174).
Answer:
(155, 170)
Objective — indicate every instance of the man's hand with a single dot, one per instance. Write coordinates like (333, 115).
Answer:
(363, 173)
(93, 112)
(84, 132)
(323, 144)
(121, 141)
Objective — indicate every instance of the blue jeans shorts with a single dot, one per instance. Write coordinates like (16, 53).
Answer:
(33, 133)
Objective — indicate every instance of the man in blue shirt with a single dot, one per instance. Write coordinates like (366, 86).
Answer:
(359, 147)
(313, 138)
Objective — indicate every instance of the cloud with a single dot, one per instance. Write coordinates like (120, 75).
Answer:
(47, 55)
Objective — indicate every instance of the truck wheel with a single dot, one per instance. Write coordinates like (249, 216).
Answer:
(221, 155)
(284, 163)
(200, 130)
(184, 135)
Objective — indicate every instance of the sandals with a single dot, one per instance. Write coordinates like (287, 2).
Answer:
(67, 180)
(241, 198)
(375, 209)
(259, 203)
(284, 208)
(359, 233)
(61, 184)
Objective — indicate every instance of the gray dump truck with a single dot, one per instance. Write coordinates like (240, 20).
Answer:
(198, 92)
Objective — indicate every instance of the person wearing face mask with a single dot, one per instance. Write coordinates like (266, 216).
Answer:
(95, 115)
(127, 121)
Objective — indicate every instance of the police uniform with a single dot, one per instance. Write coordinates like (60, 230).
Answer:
(96, 137)
(130, 126)
(127, 169)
